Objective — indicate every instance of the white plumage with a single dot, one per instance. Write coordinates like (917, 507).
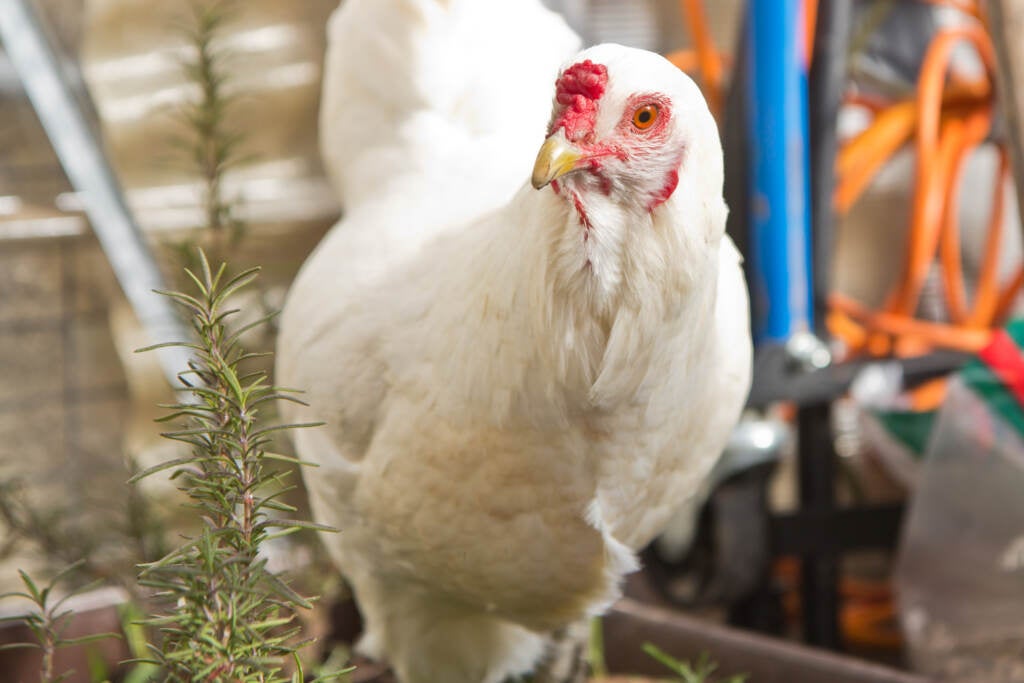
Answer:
(520, 386)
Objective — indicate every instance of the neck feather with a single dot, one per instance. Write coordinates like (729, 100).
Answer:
(616, 285)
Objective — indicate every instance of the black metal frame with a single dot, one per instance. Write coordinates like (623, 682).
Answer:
(819, 532)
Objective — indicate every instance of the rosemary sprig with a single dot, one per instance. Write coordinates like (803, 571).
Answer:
(48, 621)
(228, 617)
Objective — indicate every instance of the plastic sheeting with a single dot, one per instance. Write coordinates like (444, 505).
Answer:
(960, 576)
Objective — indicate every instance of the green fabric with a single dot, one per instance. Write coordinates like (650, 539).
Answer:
(990, 389)
(910, 428)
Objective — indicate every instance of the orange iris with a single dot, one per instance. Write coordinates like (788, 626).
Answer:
(645, 116)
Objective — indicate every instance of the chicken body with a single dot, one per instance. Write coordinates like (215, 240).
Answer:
(520, 385)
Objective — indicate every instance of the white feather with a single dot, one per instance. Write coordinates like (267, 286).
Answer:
(506, 425)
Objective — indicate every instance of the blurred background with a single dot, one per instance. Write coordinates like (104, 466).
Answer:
(870, 503)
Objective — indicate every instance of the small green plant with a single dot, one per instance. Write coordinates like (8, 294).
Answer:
(135, 636)
(210, 145)
(690, 673)
(48, 622)
(228, 618)
(595, 649)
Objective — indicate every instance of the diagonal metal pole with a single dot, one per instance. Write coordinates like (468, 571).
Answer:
(66, 119)
(1006, 27)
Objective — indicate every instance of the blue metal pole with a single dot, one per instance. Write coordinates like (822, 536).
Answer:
(780, 191)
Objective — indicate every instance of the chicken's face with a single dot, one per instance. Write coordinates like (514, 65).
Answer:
(622, 127)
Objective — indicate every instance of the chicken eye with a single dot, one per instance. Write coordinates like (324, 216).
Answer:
(645, 116)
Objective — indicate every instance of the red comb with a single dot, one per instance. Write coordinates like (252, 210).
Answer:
(583, 78)
(578, 89)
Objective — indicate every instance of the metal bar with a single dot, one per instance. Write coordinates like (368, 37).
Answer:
(780, 210)
(825, 92)
(736, 149)
(803, 533)
(1006, 26)
(819, 575)
(776, 380)
(64, 117)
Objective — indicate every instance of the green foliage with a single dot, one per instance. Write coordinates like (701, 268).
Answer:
(595, 649)
(228, 617)
(210, 146)
(689, 673)
(48, 622)
(135, 636)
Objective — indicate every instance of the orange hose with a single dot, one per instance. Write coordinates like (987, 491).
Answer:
(810, 27)
(926, 215)
(707, 54)
(975, 128)
(687, 61)
(895, 325)
(930, 395)
(946, 121)
(862, 157)
(934, 160)
(947, 133)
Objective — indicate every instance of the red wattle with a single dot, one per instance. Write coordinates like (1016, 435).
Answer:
(666, 191)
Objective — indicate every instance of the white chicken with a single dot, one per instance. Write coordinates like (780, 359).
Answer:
(520, 382)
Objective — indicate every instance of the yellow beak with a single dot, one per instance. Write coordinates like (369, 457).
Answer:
(556, 158)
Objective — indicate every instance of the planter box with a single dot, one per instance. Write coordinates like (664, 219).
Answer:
(627, 627)
(630, 624)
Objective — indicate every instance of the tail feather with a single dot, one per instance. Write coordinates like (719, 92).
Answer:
(390, 61)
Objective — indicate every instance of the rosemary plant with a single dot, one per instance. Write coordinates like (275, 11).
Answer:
(210, 144)
(48, 622)
(229, 617)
